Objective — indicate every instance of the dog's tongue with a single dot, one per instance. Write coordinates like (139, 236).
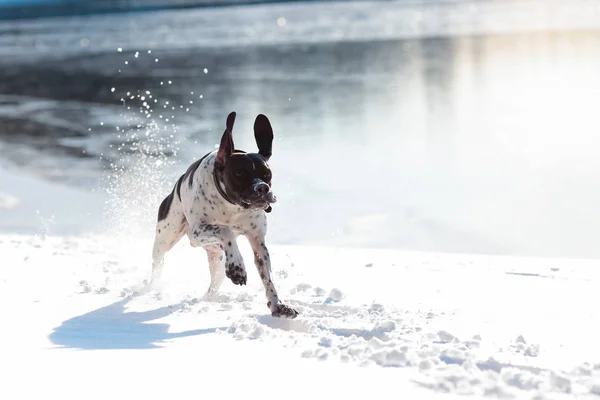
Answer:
(272, 198)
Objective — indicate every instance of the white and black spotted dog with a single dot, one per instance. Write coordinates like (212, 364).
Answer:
(225, 194)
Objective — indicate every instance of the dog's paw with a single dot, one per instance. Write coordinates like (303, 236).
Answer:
(237, 274)
(283, 311)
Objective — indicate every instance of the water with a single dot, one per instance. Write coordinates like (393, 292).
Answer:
(461, 127)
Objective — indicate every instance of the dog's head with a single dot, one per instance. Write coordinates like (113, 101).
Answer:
(245, 178)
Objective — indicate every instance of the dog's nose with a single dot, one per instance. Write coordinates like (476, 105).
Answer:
(261, 188)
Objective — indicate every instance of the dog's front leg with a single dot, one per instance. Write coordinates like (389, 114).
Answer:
(263, 264)
(219, 237)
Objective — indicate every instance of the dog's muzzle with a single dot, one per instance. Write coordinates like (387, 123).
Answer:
(263, 192)
(261, 198)
(261, 189)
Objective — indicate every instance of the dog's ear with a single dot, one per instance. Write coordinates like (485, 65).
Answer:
(226, 147)
(230, 121)
(263, 133)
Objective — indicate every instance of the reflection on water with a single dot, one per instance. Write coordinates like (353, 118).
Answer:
(464, 144)
(468, 144)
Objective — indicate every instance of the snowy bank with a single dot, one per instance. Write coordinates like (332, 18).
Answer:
(29, 204)
(372, 323)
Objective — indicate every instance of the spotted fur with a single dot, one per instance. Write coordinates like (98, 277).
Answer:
(198, 209)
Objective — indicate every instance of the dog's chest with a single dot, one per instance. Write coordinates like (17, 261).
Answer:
(203, 204)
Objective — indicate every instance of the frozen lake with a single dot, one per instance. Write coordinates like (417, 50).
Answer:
(462, 127)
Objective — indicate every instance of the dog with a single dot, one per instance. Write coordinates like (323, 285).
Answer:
(222, 195)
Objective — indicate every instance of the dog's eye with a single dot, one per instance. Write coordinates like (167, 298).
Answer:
(239, 173)
(267, 176)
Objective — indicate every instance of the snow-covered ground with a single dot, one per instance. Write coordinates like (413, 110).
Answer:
(372, 322)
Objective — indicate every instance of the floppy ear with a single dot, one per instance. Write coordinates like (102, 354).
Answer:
(226, 146)
(263, 133)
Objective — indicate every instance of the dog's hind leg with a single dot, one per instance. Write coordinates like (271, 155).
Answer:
(168, 233)
(170, 228)
(216, 264)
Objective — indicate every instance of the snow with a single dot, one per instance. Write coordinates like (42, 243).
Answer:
(414, 324)
(75, 322)
(28, 204)
(372, 321)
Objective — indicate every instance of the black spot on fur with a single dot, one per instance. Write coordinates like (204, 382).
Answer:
(236, 273)
(189, 174)
(178, 187)
(213, 229)
(229, 244)
(163, 210)
(165, 205)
